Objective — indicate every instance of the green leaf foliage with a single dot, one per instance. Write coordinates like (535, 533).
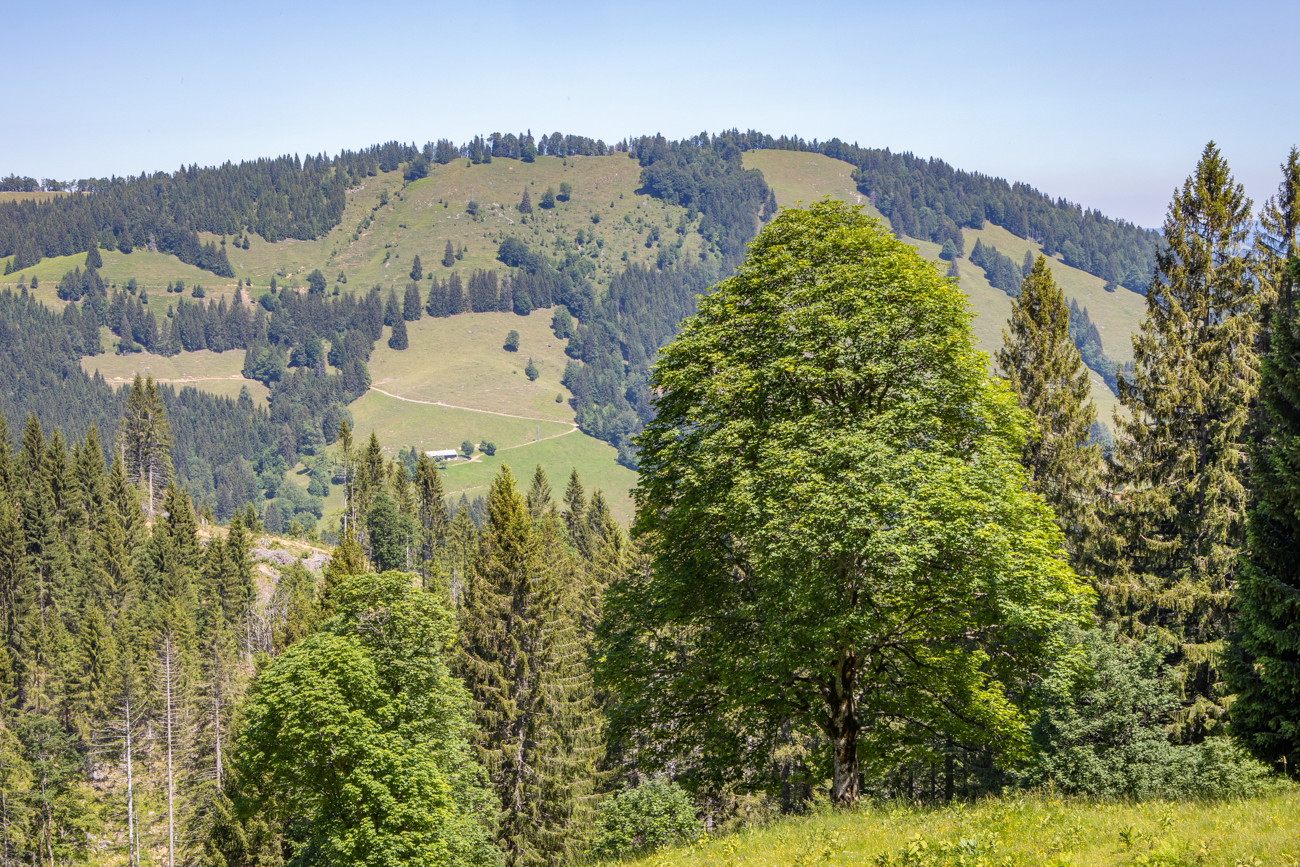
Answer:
(839, 530)
(355, 739)
(651, 816)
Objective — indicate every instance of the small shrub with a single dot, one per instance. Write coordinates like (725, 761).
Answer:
(559, 398)
(651, 816)
(531, 371)
(512, 341)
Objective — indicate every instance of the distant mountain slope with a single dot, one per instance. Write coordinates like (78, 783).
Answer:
(625, 236)
(802, 176)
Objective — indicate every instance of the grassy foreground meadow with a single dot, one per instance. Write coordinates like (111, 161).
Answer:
(1025, 830)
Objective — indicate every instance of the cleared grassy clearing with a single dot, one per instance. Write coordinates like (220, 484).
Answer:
(1018, 831)
(400, 423)
(215, 372)
(558, 456)
(152, 271)
(421, 217)
(799, 179)
(460, 361)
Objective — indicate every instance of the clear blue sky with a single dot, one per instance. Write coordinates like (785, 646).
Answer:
(1106, 103)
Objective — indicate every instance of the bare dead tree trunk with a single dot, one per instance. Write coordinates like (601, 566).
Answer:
(132, 835)
(216, 716)
(167, 721)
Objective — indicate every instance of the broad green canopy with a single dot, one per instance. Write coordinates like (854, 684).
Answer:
(840, 532)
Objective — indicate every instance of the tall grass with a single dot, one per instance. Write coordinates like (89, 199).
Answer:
(1022, 830)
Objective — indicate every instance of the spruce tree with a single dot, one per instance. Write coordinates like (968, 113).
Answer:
(432, 512)
(417, 269)
(1179, 522)
(1045, 371)
(1262, 662)
(93, 259)
(571, 737)
(524, 661)
(526, 203)
(392, 310)
(144, 442)
(1275, 244)
(539, 495)
(398, 340)
(411, 303)
(500, 659)
(449, 256)
(462, 543)
(575, 516)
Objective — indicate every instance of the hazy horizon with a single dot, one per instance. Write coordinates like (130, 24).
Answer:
(1099, 107)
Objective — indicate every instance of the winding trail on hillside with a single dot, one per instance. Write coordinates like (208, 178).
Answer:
(472, 409)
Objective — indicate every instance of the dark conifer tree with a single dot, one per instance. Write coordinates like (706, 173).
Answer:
(524, 662)
(456, 302)
(392, 311)
(526, 203)
(432, 513)
(417, 269)
(1180, 458)
(411, 303)
(449, 257)
(93, 259)
(398, 340)
(1046, 372)
(1262, 663)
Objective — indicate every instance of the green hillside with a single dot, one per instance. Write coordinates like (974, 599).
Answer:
(460, 361)
(801, 176)
(456, 382)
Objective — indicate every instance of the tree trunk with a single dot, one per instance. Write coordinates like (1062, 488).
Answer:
(216, 717)
(171, 791)
(132, 837)
(842, 729)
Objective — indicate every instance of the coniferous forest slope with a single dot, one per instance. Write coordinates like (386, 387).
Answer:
(884, 548)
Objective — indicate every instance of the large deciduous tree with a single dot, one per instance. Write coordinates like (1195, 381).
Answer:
(838, 523)
(355, 740)
(1180, 456)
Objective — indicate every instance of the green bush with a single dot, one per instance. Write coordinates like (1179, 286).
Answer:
(651, 816)
(1104, 732)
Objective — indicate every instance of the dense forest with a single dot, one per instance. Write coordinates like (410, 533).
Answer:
(227, 453)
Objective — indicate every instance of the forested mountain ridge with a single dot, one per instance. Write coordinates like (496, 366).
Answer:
(929, 199)
(524, 221)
